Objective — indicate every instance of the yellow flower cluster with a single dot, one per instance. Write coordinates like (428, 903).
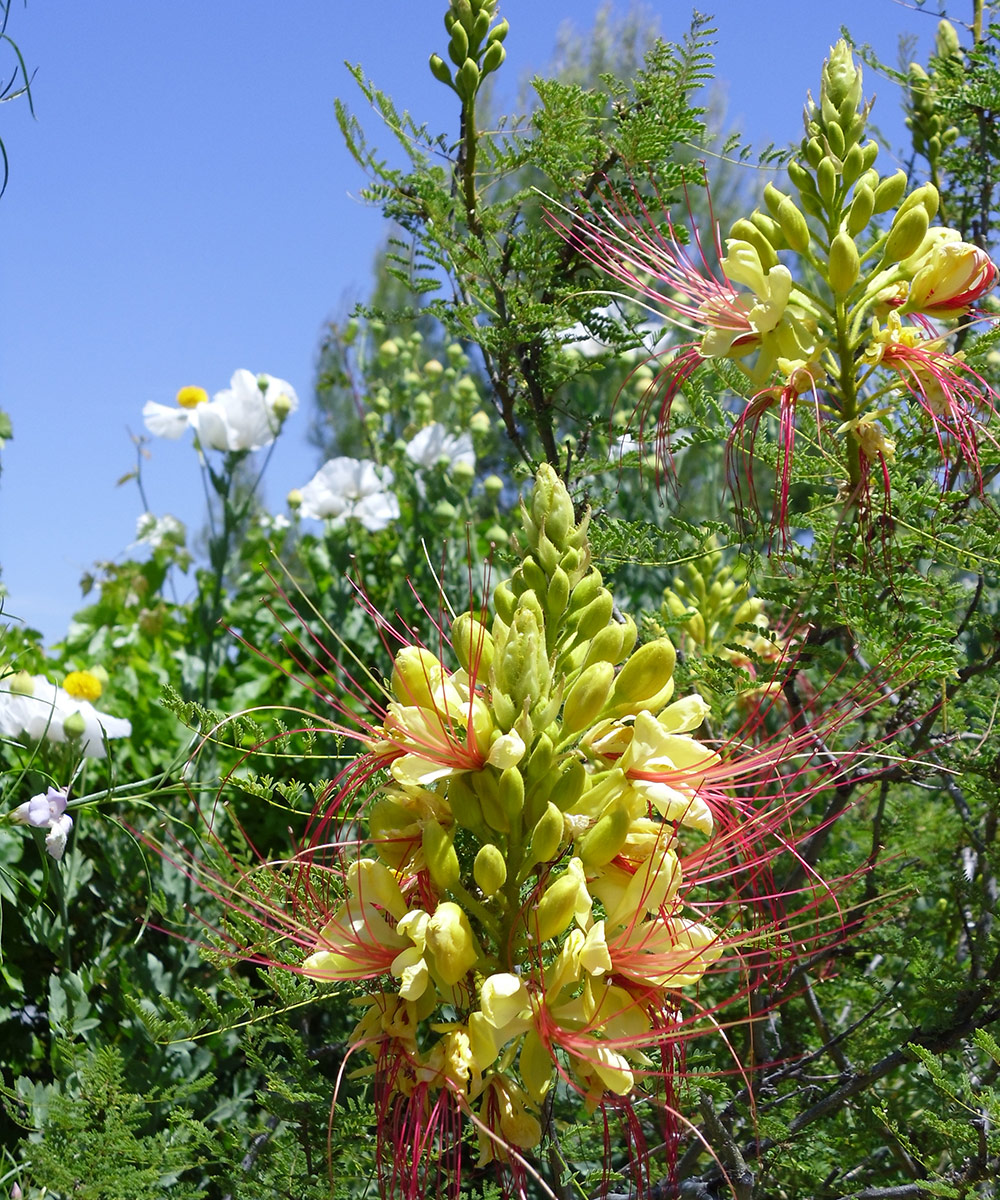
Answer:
(518, 902)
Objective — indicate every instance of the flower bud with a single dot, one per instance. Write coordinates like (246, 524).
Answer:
(845, 263)
(595, 616)
(926, 196)
(439, 855)
(489, 870)
(645, 681)
(74, 726)
(473, 644)
(861, 210)
(458, 47)
(605, 839)
(746, 231)
(551, 507)
(890, 191)
(493, 58)
(826, 180)
(569, 786)
(511, 793)
(463, 800)
(556, 908)
(467, 80)
(773, 198)
(854, 164)
(543, 844)
(835, 137)
(801, 178)
(587, 697)
(793, 225)
(556, 595)
(586, 590)
(905, 234)
(769, 228)
(451, 940)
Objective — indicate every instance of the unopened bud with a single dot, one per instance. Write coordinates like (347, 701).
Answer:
(595, 616)
(826, 180)
(74, 726)
(587, 697)
(439, 855)
(556, 907)
(606, 837)
(905, 234)
(861, 210)
(570, 785)
(543, 845)
(890, 191)
(793, 225)
(854, 164)
(746, 231)
(845, 263)
(645, 681)
(493, 58)
(489, 870)
(511, 793)
(458, 47)
(473, 644)
(551, 507)
(467, 80)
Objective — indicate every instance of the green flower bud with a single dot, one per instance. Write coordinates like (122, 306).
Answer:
(769, 228)
(511, 793)
(492, 488)
(946, 44)
(793, 225)
(604, 839)
(845, 263)
(801, 178)
(826, 180)
(773, 198)
(440, 856)
(20, 683)
(815, 152)
(608, 644)
(557, 595)
(835, 137)
(645, 681)
(569, 786)
(458, 47)
(905, 234)
(854, 164)
(861, 210)
(493, 58)
(452, 943)
(440, 70)
(869, 152)
(841, 79)
(587, 697)
(595, 616)
(586, 590)
(489, 870)
(467, 79)
(74, 726)
(890, 191)
(556, 907)
(496, 535)
(504, 602)
(464, 802)
(551, 507)
(499, 31)
(543, 844)
(473, 644)
(746, 231)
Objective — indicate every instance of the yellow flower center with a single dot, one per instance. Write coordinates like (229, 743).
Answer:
(191, 397)
(83, 685)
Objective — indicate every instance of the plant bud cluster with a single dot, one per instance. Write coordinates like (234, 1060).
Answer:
(475, 47)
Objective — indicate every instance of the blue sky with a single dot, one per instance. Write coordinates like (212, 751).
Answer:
(182, 206)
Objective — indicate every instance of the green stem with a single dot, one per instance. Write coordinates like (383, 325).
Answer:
(848, 392)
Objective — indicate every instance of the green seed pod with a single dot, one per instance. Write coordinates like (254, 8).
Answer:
(489, 870)
(905, 234)
(854, 164)
(440, 70)
(861, 210)
(440, 856)
(793, 225)
(604, 839)
(890, 191)
(845, 263)
(545, 839)
(826, 180)
(746, 231)
(587, 697)
(570, 785)
(645, 681)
